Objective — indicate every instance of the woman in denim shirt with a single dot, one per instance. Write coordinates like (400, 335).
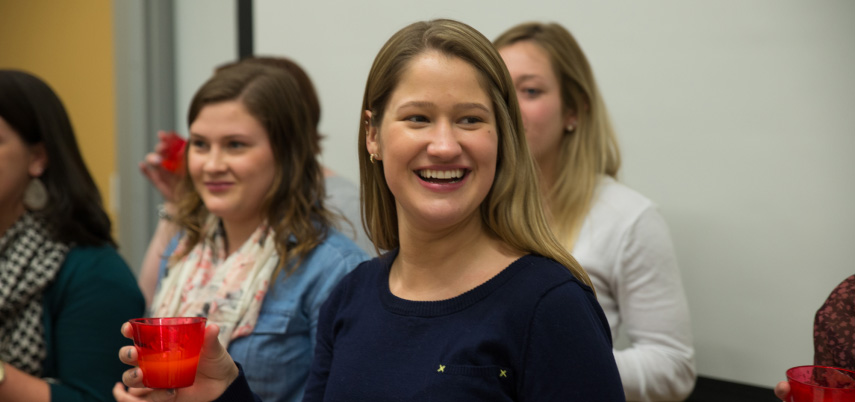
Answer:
(287, 323)
(258, 253)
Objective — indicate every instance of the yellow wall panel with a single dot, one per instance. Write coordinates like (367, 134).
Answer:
(69, 44)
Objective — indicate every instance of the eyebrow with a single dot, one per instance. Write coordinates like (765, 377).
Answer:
(471, 105)
(417, 104)
(528, 77)
(459, 106)
(226, 137)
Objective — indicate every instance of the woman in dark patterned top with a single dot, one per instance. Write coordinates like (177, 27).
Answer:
(834, 328)
(833, 332)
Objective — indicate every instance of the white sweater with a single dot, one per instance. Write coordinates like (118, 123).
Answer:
(625, 247)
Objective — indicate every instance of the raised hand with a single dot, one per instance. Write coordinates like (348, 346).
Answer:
(163, 179)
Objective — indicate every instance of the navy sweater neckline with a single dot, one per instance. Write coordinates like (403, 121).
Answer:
(397, 305)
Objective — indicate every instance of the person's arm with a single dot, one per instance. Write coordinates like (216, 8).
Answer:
(96, 293)
(20, 386)
(659, 365)
(155, 254)
(568, 354)
(165, 182)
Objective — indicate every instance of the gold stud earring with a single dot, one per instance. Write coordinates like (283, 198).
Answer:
(373, 158)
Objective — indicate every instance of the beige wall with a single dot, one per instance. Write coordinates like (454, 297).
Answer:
(69, 44)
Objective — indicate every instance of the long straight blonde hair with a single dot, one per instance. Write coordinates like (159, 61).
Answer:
(589, 151)
(513, 209)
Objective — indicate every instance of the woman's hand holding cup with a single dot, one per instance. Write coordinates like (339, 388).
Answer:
(215, 372)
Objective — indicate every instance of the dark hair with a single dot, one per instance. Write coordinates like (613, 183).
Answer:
(307, 89)
(294, 205)
(74, 212)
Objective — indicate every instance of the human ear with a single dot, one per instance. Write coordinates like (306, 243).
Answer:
(38, 160)
(371, 140)
(571, 118)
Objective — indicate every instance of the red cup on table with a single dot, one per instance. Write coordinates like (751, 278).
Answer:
(821, 384)
(168, 349)
(173, 154)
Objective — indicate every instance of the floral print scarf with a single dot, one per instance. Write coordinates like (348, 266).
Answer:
(227, 289)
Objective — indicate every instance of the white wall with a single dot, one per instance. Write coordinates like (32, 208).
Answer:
(205, 37)
(733, 116)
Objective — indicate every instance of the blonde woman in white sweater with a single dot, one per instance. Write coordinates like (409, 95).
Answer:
(614, 232)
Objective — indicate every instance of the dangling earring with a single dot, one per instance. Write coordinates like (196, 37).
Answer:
(36, 195)
(373, 158)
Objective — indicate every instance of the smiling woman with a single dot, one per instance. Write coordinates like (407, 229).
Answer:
(466, 295)
(258, 254)
(440, 134)
(475, 274)
(230, 164)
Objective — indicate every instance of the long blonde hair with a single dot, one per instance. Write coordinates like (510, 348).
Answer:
(586, 153)
(293, 206)
(512, 210)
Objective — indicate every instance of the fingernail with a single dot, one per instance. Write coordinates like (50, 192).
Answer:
(129, 353)
(157, 158)
(136, 373)
(171, 391)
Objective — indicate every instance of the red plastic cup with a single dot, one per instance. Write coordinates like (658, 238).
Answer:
(173, 155)
(168, 349)
(821, 384)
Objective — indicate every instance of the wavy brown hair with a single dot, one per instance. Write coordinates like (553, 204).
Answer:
(307, 89)
(588, 152)
(512, 210)
(293, 206)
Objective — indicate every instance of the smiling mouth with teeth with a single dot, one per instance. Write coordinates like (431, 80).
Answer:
(441, 176)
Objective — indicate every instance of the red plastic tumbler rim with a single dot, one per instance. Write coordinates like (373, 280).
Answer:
(160, 321)
(790, 378)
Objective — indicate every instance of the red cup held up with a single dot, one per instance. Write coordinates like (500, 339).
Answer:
(168, 349)
(173, 154)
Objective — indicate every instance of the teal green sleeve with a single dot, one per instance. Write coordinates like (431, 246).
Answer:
(94, 293)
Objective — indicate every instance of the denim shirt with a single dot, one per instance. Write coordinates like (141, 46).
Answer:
(277, 355)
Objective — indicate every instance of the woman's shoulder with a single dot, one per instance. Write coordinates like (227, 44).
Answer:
(323, 268)
(557, 289)
(95, 268)
(353, 286)
(369, 269)
(95, 261)
(615, 197)
(365, 275)
(338, 242)
(541, 275)
(617, 209)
